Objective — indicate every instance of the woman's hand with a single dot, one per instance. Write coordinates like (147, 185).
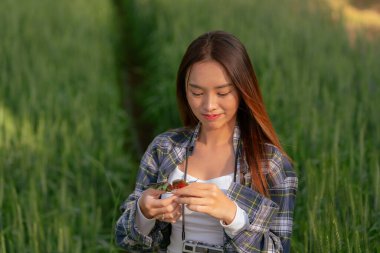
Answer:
(208, 199)
(152, 206)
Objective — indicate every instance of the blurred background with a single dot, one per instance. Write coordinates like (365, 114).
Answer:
(85, 86)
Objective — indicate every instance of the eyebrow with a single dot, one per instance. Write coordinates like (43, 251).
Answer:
(217, 87)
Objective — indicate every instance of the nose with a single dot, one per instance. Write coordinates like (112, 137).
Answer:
(210, 102)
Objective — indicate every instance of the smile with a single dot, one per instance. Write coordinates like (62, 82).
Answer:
(211, 116)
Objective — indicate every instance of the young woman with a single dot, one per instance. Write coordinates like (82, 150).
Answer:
(242, 186)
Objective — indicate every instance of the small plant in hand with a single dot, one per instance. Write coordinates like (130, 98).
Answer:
(165, 186)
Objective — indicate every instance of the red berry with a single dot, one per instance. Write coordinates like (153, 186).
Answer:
(178, 184)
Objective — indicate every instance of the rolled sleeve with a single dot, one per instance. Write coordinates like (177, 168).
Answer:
(260, 210)
(127, 233)
(239, 223)
(270, 218)
(144, 224)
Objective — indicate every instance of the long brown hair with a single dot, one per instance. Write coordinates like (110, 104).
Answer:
(256, 127)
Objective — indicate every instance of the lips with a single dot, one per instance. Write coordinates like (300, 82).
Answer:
(211, 116)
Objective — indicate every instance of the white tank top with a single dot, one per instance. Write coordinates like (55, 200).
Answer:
(198, 226)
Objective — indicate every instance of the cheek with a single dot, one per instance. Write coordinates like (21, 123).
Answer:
(193, 103)
(232, 103)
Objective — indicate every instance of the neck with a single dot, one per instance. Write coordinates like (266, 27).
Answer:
(216, 137)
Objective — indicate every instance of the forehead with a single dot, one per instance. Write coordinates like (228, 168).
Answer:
(208, 74)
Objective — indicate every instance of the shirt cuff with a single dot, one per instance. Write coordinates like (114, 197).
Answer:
(144, 224)
(239, 223)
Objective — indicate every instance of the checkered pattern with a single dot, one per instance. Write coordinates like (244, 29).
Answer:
(271, 219)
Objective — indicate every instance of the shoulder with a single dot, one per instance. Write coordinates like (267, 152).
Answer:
(277, 168)
(171, 138)
(167, 145)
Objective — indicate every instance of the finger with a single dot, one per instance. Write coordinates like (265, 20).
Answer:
(154, 192)
(160, 217)
(162, 203)
(199, 208)
(173, 216)
(169, 217)
(167, 201)
(195, 187)
(177, 212)
(195, 201)
(154, 209)
(192, 192)
(167, 209)
(174, 220)
(203, 186)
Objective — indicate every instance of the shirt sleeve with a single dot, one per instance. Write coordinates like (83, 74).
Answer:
(127, 234)
(239, 223)
(144, 224)
(270, 219)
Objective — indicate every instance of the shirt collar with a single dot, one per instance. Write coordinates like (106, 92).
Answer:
(195, 135)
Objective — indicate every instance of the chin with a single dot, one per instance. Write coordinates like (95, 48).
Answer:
(213, 125)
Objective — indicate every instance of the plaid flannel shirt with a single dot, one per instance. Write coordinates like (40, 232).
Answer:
(270, 219)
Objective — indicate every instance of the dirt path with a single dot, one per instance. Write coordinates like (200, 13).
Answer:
(131, 78)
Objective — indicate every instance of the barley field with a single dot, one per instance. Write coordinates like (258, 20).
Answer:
(63, 168)
(85, 87)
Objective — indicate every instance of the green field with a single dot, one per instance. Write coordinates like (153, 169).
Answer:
(70, 141)
(62, 127)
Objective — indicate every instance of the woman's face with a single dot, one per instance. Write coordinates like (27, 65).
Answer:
(211, 95)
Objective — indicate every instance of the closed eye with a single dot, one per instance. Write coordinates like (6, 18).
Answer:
(196, 94)
(223, 94)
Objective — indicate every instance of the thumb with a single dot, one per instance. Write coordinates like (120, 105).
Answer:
(154, 192)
